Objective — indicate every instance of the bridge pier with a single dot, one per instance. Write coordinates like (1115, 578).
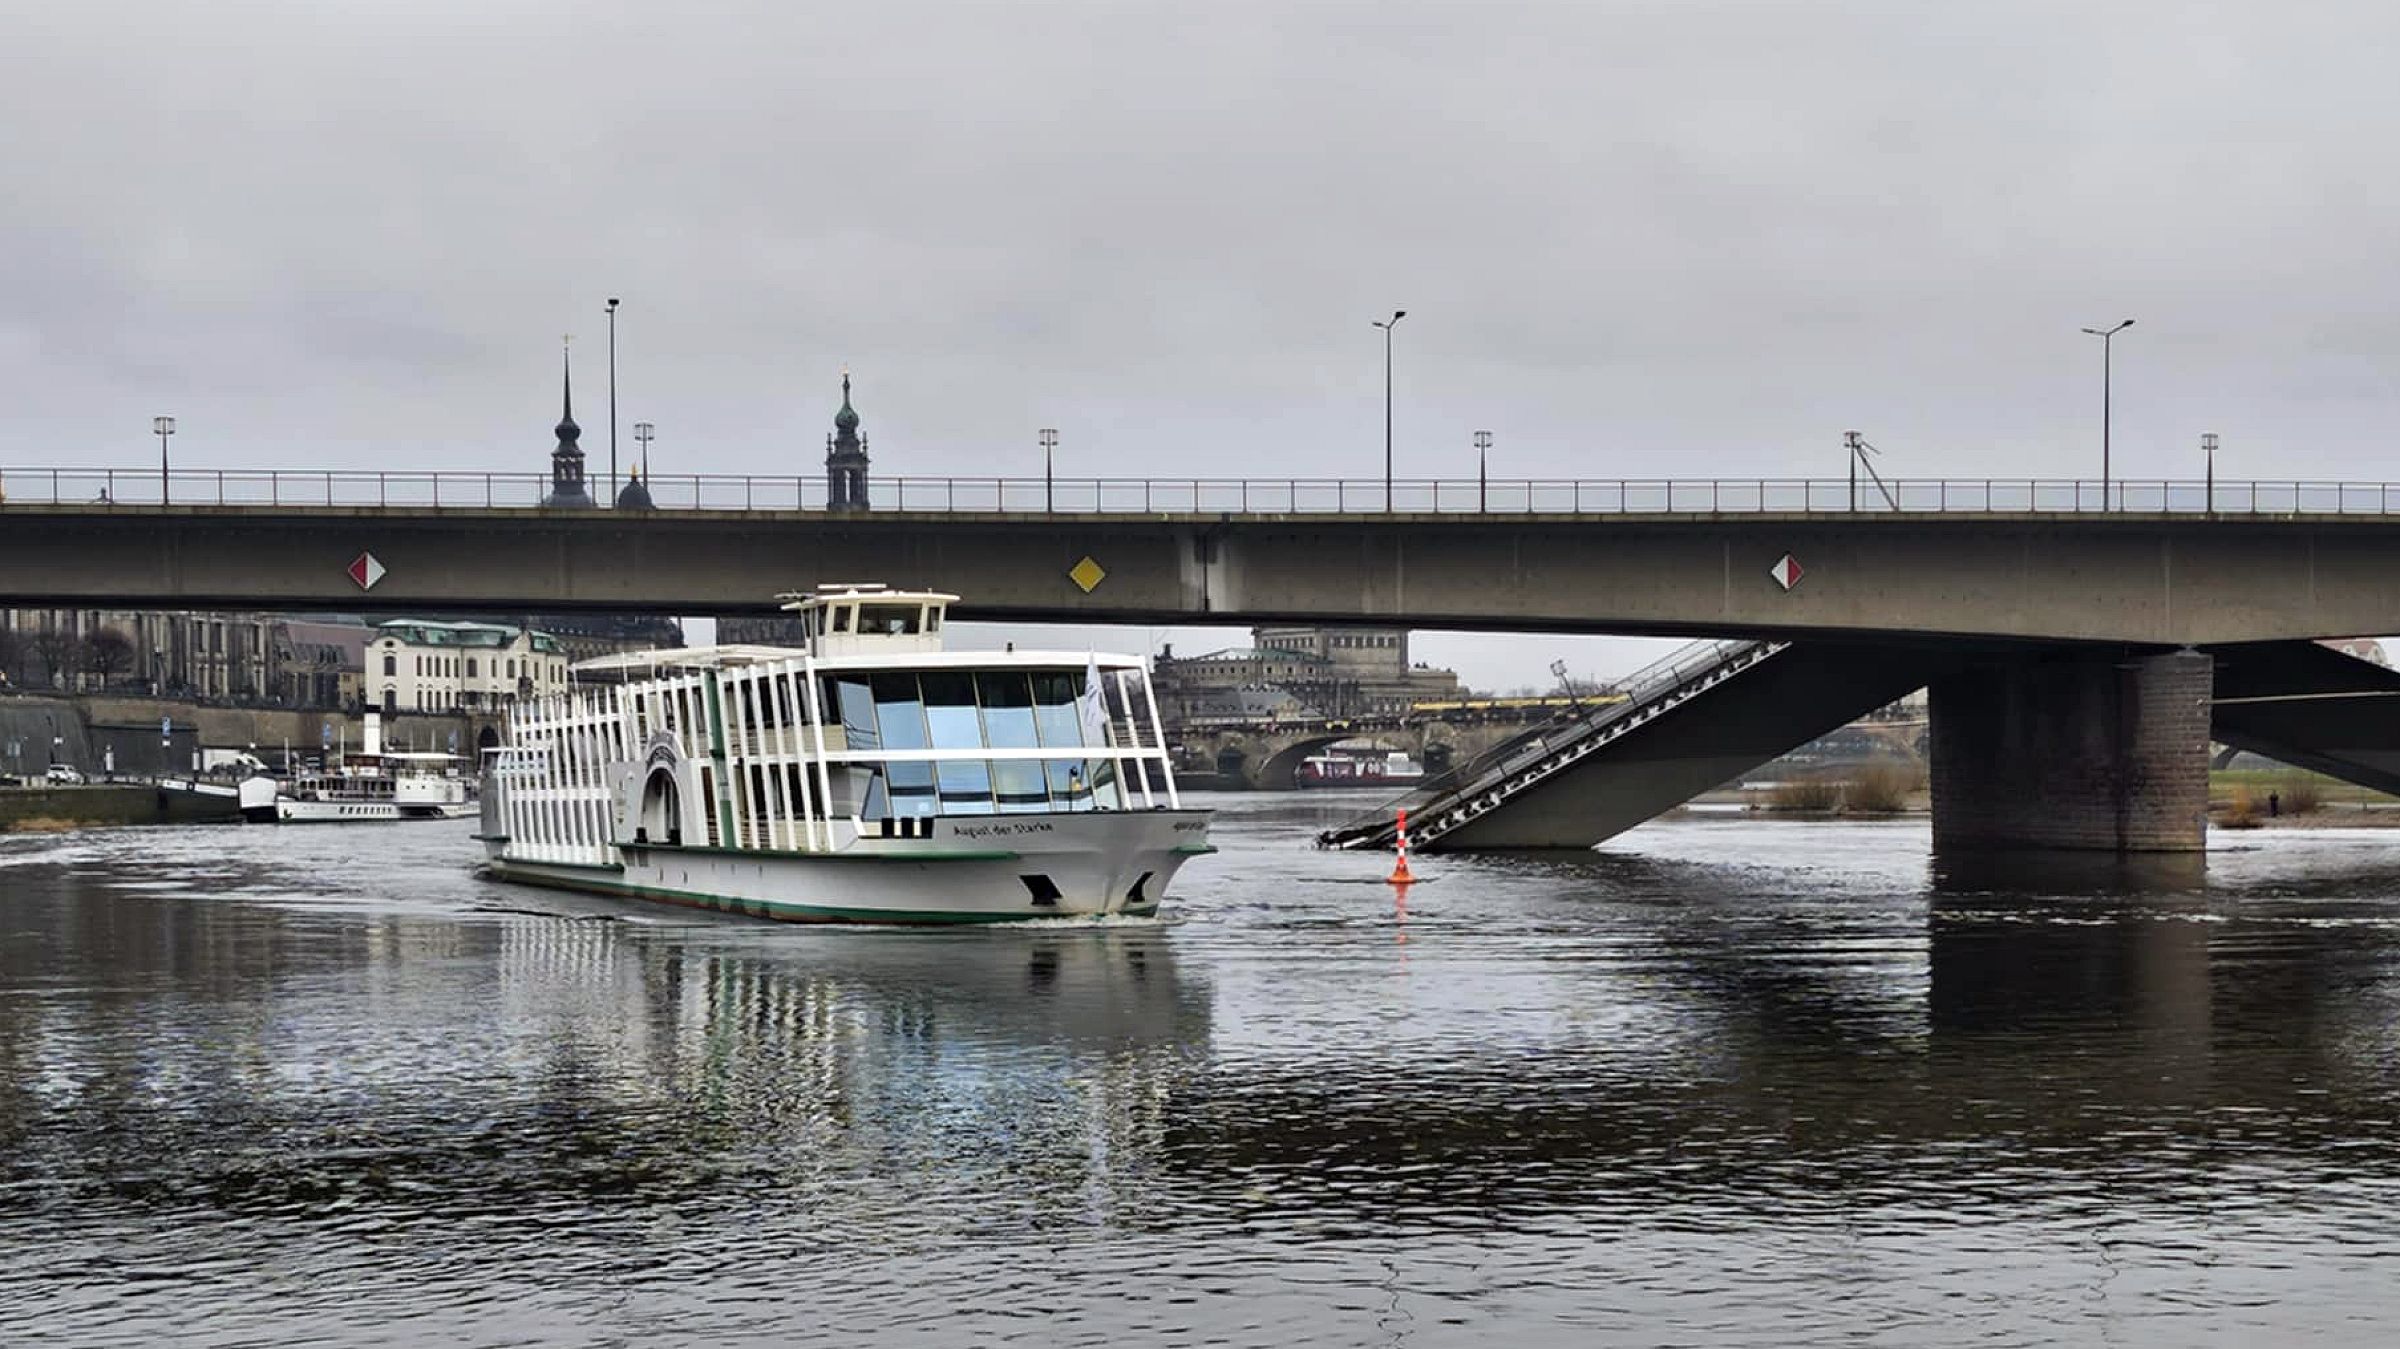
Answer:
(2068, 749)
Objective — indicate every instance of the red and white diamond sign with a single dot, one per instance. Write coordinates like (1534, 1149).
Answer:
(366, 570)
(1786, 571)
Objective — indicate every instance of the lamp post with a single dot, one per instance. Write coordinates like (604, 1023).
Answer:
(644, 432)
(2208, 447)
(2107, 338)
(163, 427)
(1049, 439)
(1483, 452)
(1387, 326)
(612, 400)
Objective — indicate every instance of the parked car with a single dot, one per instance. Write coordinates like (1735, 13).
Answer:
(64, 772)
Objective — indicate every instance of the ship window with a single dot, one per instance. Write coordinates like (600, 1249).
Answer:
(900, 718)
(893, 620)
(954, 723)
(1056, 694)
(852, 701)
(933, 620)
(966, 787)
(1007, 697)
(841, 617)
(950, 713)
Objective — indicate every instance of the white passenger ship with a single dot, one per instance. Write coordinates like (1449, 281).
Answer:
(869, 777)
(368, 786)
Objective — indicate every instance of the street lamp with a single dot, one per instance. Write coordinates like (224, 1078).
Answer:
(1049, 438)
(1387, 326)
(2107, 343)
(612, 400)
(1483, 451)
(2208, 447)
(645, 433)
(164, 427)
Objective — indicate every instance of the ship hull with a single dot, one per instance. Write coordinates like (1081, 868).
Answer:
(971, 870)
(287, 811)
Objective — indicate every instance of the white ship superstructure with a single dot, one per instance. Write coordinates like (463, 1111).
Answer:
(368, 786)
(867, 776)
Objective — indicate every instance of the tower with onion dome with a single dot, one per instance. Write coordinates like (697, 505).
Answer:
(567, 489)
(846, 458)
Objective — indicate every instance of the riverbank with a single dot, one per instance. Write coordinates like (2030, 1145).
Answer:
(96, 733)
(56, 808)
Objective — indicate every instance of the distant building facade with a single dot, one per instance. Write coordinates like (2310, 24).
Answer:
(319, 662)
(584, 636)
(1295, 671)
(421, 665)
(170, 652)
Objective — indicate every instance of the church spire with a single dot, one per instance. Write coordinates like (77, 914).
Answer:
(568, 431)
(846, 457)
(566, 462)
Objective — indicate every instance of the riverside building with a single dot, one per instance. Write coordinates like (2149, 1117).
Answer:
(418, 665)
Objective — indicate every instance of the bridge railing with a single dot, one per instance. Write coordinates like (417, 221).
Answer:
(466, 490)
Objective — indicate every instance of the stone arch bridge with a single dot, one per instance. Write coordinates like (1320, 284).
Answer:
(1266, 755)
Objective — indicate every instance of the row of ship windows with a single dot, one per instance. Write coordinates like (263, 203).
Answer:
(947, 709)
(956, 787)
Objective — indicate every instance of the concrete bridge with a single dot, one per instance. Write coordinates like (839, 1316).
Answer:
(2161, 577)
(2071, 650)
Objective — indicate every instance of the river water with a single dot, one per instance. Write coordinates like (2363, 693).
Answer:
(1730, 1082)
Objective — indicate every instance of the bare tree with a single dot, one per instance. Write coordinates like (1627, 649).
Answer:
(108, 653)
(59, 651)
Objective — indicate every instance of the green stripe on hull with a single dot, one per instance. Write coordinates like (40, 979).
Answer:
(600, 880)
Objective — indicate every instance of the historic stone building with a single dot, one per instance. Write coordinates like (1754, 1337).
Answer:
(584, 636)
(1298, 671)
(419, 665)
(221, 657)
(168, 652)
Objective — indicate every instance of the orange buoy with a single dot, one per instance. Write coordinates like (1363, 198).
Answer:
(1400, 875)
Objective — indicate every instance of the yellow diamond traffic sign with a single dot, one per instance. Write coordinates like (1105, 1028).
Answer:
(1087, 574)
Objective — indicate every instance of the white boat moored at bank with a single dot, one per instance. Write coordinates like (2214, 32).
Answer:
(368, 786)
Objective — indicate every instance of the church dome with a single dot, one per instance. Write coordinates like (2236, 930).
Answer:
(847, 418)
(635, 497)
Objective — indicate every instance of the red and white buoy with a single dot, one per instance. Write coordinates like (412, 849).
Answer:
(1400, 874)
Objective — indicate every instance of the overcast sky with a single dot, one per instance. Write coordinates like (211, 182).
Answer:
(1686, 238)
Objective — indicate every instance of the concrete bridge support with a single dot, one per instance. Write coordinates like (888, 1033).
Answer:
(2073, 749)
